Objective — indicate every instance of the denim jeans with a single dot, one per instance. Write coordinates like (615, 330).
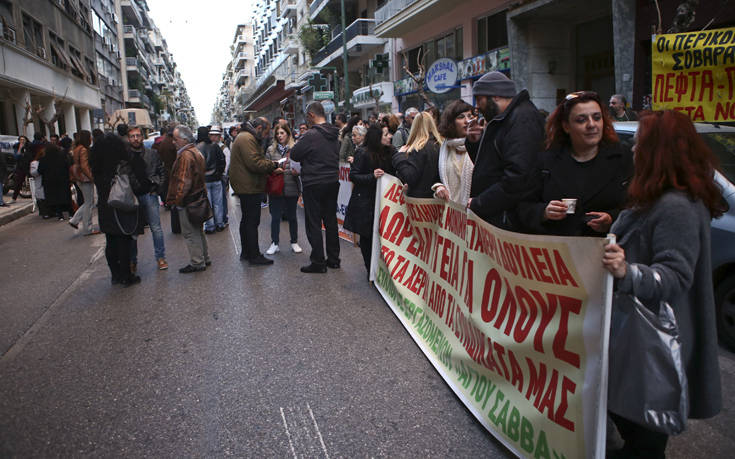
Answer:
(152, 207)
(225, 198)
(280, 205)
(214, 194)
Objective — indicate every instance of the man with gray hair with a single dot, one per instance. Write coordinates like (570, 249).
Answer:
(504, 152)
(185, 186)
(618, 109)
(401, 136)
(318, 152)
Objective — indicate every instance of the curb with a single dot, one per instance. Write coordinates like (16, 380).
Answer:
(18, 212)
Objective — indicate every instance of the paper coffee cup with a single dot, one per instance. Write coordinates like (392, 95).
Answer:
(571, 205)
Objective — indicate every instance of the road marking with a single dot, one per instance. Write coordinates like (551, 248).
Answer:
(288, 434)
(304, 436)
(18, 346)
(318, 432)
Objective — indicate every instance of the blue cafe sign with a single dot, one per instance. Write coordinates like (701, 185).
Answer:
(442, 76)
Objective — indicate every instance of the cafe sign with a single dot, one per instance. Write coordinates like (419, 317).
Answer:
(442, 75)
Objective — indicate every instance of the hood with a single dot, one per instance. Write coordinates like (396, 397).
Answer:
(330, 132)
(247, 126)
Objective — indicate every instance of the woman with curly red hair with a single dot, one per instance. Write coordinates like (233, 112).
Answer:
(583, 162)
(663, 254)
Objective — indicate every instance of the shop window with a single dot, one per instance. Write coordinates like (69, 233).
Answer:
(492, 32)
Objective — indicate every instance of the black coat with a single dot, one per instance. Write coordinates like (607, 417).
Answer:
(418, 169)
(318, 152)
(361, 209)
(111, 219)
(599, 185)
(504, 157)
(54, 168)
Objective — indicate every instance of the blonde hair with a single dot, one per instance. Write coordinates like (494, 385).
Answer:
(283, 124)
(423, 129)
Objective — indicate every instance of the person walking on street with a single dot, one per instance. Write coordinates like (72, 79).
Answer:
(148, 199)
(214, 160)
(187, 184)
(248, 171)
(504, 152)
(81, 173)
(318, 153)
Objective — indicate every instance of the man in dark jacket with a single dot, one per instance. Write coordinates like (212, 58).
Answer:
(318, 152)
(505, 152)
(249, 169)
(149, 200)
(214, 159)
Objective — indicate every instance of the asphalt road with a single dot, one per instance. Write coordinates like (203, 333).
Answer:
(235, 361)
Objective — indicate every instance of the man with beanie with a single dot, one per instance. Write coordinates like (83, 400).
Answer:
(249, 169)
(318, 152)
(504, 152)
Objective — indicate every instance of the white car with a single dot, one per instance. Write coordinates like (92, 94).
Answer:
(721, 139)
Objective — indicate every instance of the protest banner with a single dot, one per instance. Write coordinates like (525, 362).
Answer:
(343, 200)
(695, 73)
(515, 324)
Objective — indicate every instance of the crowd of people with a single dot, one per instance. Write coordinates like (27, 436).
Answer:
(566, 174)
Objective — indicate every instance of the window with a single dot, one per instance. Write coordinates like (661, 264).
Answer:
(91, 71)
(33, 36)
(58, 53)
(77, 68)
(492, 32)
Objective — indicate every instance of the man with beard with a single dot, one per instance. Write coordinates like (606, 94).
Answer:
(504, 152)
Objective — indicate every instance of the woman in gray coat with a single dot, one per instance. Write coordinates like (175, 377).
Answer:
(663, 254)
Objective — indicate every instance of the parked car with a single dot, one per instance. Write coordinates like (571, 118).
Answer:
(721, 139)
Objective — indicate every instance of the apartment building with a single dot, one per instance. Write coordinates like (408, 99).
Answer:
(105, 20)
(238, 80)
(48, 75)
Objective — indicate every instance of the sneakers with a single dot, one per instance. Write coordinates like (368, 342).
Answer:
(260, 260)
(314, 268)
(296, 248)
(162, 264)
(73, 225)
(272, 249)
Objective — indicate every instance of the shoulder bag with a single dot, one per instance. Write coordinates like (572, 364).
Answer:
(647, 381)
(199, 210)
(121, 193)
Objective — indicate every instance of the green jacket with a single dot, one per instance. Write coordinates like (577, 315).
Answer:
(249, 167)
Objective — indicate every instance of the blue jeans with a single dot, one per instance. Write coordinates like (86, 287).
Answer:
(151, 207)
(225, 196)
(214, 194)
(280, 205)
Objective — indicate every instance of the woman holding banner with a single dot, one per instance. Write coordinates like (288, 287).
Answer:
(371, 162)
(454, 164)
(416, 163)
(663, 254)
(579, 184)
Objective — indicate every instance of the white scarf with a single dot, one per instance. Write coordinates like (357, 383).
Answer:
(455, 175)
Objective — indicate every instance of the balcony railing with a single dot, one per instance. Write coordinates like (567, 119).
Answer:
(390, 9)
(315, 6)
(357, 28)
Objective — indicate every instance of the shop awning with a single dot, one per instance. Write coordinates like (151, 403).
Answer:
(274, 93)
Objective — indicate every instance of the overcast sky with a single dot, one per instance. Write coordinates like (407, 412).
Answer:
(199, 35)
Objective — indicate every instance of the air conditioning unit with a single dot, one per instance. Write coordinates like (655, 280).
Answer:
(41, 52)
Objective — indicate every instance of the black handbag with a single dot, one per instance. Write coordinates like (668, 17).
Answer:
(199, 210)
(647, 382)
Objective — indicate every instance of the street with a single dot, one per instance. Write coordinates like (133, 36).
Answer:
(235, 361)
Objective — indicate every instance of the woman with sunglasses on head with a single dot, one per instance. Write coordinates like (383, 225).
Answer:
(580, 181)
(663, 254)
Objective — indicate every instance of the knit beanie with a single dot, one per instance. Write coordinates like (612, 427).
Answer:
(494, 84)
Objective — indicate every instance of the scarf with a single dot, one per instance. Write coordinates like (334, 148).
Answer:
(455, 170)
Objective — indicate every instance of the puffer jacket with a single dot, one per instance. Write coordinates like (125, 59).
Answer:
(187, 177)
(249, 167)
(291, 183)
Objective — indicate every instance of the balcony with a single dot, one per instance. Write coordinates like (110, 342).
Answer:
(360, 36)
(316, 7)
(132, 64)
(240, 59)
(130, 13)
(136, 97)
(287, 8)
(291, 44)
(399, 17)
(242, 77)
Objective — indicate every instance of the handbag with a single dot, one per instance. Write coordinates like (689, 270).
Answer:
(647, 382)
(199, 210)
(274, 184)
(121, 193)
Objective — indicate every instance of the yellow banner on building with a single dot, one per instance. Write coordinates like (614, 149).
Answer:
(517, 325)
(695, 73)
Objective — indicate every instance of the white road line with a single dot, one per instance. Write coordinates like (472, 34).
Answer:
(318, 432)
(45, 317)
(288, 434)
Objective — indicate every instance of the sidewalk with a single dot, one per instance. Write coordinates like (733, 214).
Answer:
(14, 211)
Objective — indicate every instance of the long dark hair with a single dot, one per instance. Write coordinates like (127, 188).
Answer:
(347, 129)
(669, 154)
(555, 135)
(106, 154)
(375, 148)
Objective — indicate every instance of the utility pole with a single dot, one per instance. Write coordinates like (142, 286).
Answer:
(344, 59)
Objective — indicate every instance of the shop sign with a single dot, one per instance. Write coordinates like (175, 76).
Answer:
(363, 96)
(475, 67)
(328, 106)
(405, 86)
(442, 76)
(323, 95)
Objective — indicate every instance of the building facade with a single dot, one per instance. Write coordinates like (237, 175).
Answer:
(48, 76)
(105, 20)
(238, 80)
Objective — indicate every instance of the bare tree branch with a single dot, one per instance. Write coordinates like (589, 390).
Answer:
(418, 79)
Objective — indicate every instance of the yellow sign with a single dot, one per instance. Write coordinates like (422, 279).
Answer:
(695, 73)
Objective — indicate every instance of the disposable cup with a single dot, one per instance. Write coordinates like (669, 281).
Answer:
(571, 205)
